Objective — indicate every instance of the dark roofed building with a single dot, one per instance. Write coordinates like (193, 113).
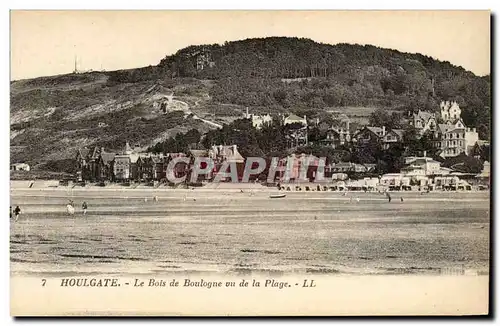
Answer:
(87, 163)
(369, 135)
(394, 136)
(423, 121)
(105, 166)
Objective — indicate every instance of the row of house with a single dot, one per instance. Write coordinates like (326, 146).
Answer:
(423, 172)
(418, 173)
(95, 164)
(448, 132)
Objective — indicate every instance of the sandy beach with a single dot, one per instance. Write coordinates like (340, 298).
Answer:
(241, 233)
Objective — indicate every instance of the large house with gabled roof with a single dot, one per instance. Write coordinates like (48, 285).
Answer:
(297, 132)
(423, 121)
(293, 118)
(87, 160)
(369, 135)
(452, 137)
(393, 136)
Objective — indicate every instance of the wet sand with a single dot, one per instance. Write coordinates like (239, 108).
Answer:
(192, 231)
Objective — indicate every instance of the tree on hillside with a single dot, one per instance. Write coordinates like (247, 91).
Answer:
(315, 134)
(481, 151)
(381, 117)
(416, 144)
(392, 157)
(193, 136)
(367, 154)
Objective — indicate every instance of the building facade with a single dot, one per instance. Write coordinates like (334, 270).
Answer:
(394, 136)
(19, 167)
(369, 135)
(423, 121)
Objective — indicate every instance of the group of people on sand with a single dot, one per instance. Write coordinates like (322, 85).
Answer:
(155, 199)
(386, 193)
(71, 208)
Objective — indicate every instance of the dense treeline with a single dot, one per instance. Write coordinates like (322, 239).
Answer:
(280, 72)
(271, 141)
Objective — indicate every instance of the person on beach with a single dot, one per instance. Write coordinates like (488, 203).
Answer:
(17, 211)
(155, 198)
(84, 208)
(388, 196)
(70, 208)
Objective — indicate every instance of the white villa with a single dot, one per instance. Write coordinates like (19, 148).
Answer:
(19, 167)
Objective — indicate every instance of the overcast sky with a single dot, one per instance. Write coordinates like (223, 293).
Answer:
(45, 42)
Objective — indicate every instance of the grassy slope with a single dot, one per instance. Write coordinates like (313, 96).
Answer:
(52, 116)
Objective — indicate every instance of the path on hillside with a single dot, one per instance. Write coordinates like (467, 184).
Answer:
(196, 117)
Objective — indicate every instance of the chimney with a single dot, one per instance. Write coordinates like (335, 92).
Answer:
(383, 130)
(425, 153)
(102, 150)
(234, 149)
(247, 114)
(473, 129)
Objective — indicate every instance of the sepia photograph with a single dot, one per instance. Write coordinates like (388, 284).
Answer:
(250, 163)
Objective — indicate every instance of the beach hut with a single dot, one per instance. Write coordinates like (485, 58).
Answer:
(340, 186)
(446, 182)
(355, 185)
(370, 184)
(464, 185)
(391, 181)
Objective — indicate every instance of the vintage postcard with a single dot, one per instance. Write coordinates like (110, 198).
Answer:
(250, 163)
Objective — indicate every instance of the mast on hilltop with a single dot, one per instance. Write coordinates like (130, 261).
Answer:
(76, 69)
